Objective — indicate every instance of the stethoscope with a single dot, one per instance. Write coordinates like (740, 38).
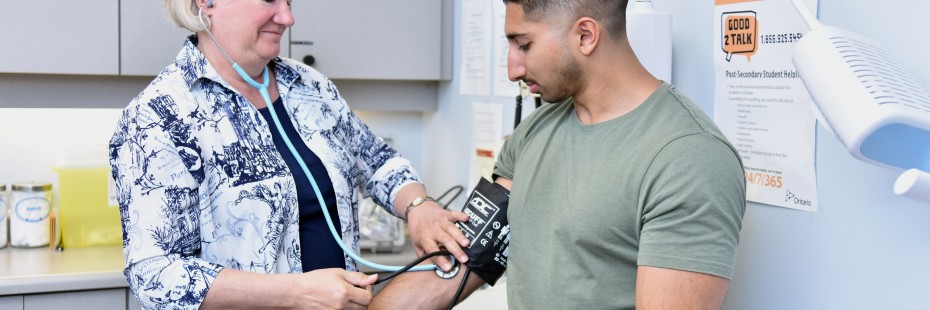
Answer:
(263, 90)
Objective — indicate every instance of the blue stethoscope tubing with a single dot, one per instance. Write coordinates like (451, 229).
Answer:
(263, 90)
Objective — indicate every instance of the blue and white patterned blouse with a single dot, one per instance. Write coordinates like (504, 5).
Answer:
(201, 186)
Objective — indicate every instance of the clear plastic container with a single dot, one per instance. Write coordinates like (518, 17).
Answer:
(4, 216)
(31, 206)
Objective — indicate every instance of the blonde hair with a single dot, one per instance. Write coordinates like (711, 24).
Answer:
(183, 13)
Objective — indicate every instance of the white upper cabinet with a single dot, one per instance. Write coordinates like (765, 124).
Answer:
(347, 39)
(60, 36)
(148, 41)
(370, 39)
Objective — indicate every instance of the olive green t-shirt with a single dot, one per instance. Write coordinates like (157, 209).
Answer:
(659, 186)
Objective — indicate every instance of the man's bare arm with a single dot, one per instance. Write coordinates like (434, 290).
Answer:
(423, 290)
(660, 288)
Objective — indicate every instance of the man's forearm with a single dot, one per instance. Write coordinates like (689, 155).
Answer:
(423, 290)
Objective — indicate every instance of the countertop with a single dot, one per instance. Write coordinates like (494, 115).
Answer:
(42, 270)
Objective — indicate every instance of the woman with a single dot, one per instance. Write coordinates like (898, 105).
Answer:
(216, 212)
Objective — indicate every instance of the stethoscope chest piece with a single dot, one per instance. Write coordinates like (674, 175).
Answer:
(448, 274)
(451, 273)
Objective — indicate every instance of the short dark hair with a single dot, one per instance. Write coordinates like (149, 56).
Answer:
(610, 13)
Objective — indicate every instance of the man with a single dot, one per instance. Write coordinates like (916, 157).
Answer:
(623, 194)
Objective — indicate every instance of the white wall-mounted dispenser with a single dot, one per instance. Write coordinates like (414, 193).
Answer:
(876, 109)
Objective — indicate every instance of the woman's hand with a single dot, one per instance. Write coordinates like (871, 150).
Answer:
(431, 227)
(333, 289)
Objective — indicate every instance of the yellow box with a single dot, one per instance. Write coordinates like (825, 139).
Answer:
(85, 215)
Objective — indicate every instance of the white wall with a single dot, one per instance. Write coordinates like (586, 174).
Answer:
(865, 249)
(32, 141)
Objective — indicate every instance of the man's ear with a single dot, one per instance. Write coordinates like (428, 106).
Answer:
(589, 33)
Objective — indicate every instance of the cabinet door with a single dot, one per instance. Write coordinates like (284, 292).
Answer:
(59, 36)
(131, 302)
(149, 42)
(369, 39)
(11, 302)
(112, 299)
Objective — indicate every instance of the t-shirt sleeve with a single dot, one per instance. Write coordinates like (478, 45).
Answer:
(693, 198)
(506, 160)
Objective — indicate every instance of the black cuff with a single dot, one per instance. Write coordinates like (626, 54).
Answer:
(487, 230)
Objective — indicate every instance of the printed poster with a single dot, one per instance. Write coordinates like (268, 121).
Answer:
(475, 48)
(760, 103)
(487, 139)
(503, 86)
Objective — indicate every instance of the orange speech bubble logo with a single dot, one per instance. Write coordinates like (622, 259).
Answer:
(740, 33)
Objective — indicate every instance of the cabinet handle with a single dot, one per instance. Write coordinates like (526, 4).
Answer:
(309, 60)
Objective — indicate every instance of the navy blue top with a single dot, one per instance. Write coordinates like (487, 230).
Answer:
(318, 248)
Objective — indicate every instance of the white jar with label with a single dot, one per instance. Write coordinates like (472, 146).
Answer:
(4, 217)
(30, 207)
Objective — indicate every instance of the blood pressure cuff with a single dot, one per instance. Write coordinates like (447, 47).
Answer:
(488, 230)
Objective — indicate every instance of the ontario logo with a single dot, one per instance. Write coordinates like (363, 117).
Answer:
(740, 34)
(791, 197)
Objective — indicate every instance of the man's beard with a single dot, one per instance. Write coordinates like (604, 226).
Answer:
(566, 76)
